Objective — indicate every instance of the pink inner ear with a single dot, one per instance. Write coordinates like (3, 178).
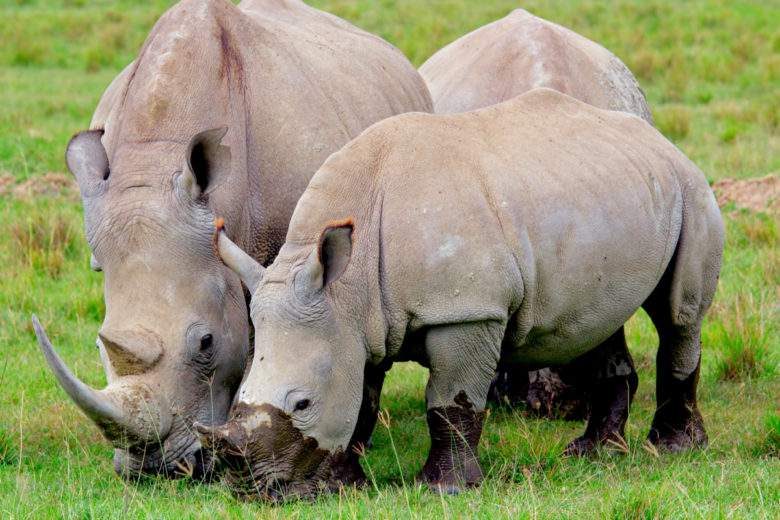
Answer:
(334, 250)
(334, 224)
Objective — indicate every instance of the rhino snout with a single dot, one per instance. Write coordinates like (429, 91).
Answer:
(265, 456)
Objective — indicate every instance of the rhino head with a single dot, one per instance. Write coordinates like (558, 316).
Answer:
(175, 339)
(298, 406)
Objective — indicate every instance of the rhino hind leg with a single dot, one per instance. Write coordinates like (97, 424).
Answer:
(462, 362)
(677, 423)
(347, 469)
(677, 307)
(612, 388)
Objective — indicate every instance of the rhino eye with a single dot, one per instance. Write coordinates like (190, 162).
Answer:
(302, 405)
(206, 342)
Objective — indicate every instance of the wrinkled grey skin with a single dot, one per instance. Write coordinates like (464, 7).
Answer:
(498, 62)
(226, 110)
(453, 248)
(521, 52)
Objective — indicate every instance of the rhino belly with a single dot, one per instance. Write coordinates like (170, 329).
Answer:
(591, 273)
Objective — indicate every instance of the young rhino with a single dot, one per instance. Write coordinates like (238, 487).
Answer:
(539, 225)
(493, 64)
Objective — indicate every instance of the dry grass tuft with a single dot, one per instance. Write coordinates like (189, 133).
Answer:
(644, 64)
(44, 243)
(677, 77)
(673, 121)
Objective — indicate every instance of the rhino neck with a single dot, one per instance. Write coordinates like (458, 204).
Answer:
(345, 187)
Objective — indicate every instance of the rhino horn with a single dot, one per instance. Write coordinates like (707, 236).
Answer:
(108, 408)
(247, 268)
(219, 439)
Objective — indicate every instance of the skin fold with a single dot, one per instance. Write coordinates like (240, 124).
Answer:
(227, 110)
(496, 63)
(432, 238)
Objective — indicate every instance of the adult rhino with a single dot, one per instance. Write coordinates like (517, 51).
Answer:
(451, 250)
(494, 64)
(227, 110)
(521, 52)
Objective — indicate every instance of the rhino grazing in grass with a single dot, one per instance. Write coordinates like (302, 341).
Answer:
(537, 226)
(227, 110)
(494, 64)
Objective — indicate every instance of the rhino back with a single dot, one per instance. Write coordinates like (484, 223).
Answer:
(520, 52)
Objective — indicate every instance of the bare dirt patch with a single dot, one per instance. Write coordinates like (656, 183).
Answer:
(6, 184)
(761, 194)
(47, 185)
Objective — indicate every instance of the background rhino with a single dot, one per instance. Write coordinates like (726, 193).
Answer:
(226, 110)
(494, 64)
(521, 52)
(453, 249)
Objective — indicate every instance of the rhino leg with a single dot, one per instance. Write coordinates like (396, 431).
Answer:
(677, 307)
(677, 424)
(462, 362)
(347, 469)
(510, 385)
(613, 387)
(559, 392)
(552, 392)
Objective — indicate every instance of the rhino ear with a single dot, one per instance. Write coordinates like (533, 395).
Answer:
(206, 162)
(247, 268)
(86, 158)
(329, 261)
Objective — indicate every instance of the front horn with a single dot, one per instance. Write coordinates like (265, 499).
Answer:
(105, 407)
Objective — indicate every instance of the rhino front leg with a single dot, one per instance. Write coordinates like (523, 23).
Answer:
(613, 387)
(462, 361)
(347, 470)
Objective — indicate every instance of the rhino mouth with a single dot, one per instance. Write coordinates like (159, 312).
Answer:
(178, 456)
(265, 457)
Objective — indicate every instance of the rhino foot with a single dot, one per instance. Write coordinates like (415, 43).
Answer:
(690, 434)
(580, 447)
(453, 461)
(346, 471)
(677, 424)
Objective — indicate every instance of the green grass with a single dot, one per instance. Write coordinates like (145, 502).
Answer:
(712, 74)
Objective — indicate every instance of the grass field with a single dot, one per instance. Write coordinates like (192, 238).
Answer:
(711, 70)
